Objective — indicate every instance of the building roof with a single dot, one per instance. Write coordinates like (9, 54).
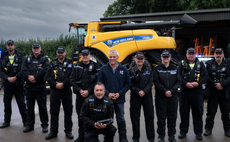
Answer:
(199, 15)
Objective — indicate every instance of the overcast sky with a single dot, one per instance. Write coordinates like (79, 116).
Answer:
(22, 19)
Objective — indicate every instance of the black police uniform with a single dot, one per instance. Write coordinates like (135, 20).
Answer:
(166, 79)
(36, 67)
(218, 74)
(10, 70)
(191, 97)
(93, 110)
(83, 77)
(141, 80)
(60, 72)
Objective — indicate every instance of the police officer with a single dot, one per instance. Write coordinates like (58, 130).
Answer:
(10, 71)
(167, 82)
(83, 79)
(193, 75)
(218, 86)
(141, 94)
(58, 76)
(95, 108)
(34, 68)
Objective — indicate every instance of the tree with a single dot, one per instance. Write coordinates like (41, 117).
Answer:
(48, 46)
(122, 7)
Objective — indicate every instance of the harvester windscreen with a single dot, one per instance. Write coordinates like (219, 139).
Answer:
(80, 33)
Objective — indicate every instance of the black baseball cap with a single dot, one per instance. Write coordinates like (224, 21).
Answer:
(218, 50)
(61, 49)
(10, 42)
(36, 44)
(139, 55)
(165, 53)
(85, 51)
(191, 50)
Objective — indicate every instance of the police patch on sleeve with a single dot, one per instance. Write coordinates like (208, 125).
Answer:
(70, 66)
(173, 72)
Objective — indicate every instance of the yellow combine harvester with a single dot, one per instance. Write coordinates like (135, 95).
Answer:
(127, 37)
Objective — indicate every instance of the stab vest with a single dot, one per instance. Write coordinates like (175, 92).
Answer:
(187, 71)
(6, 64)
(35, 65)
(59, 70)
(92, 105)
(219, 75)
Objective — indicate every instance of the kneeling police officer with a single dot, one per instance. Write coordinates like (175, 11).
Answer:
(58, 77)
(95, 108)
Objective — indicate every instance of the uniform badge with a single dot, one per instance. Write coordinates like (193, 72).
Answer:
(121, 72)
(70, 66)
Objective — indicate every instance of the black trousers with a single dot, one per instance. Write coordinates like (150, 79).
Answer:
(56, 98)
(79, 102)
(219, 97)
(91, 134)
(17, 91)
(135, 108)
(166, 108)
(195, 101)
(40, 96)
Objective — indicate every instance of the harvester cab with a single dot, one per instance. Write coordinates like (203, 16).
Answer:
(128, 37)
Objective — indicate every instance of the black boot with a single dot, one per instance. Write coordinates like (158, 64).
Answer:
(227, 133)
(28, 129)
(207, 132)
(122, 131)
(161, 139)
(172, 139)
(4, 125)
(51, 135)
(80, 131)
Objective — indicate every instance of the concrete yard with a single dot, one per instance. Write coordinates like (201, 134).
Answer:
(14, 133)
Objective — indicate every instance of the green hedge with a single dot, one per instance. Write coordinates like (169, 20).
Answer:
(48, 46)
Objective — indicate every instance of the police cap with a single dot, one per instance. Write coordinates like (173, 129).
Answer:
(10, 42)
(61, 49)
(36, 44)
(139, 55)
(191, 50)
(219, 50)
(165, 53)
(85, 51)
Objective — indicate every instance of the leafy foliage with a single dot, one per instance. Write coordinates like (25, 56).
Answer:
(48, 46)
(122, 7)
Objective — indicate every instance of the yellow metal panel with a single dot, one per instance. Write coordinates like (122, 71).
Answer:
(80, 24)
(156, 42)
(124, 47)
(94, 27)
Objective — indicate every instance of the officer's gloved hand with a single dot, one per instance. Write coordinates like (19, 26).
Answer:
(99, 126)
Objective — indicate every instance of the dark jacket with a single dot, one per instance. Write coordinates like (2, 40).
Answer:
(118, 82)
(166, 79)
(63, 74)
(11, 70)
(188, 75)
(225, 83)
(141, 80)
(85, 80)
(36, 67)
(94, 110)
